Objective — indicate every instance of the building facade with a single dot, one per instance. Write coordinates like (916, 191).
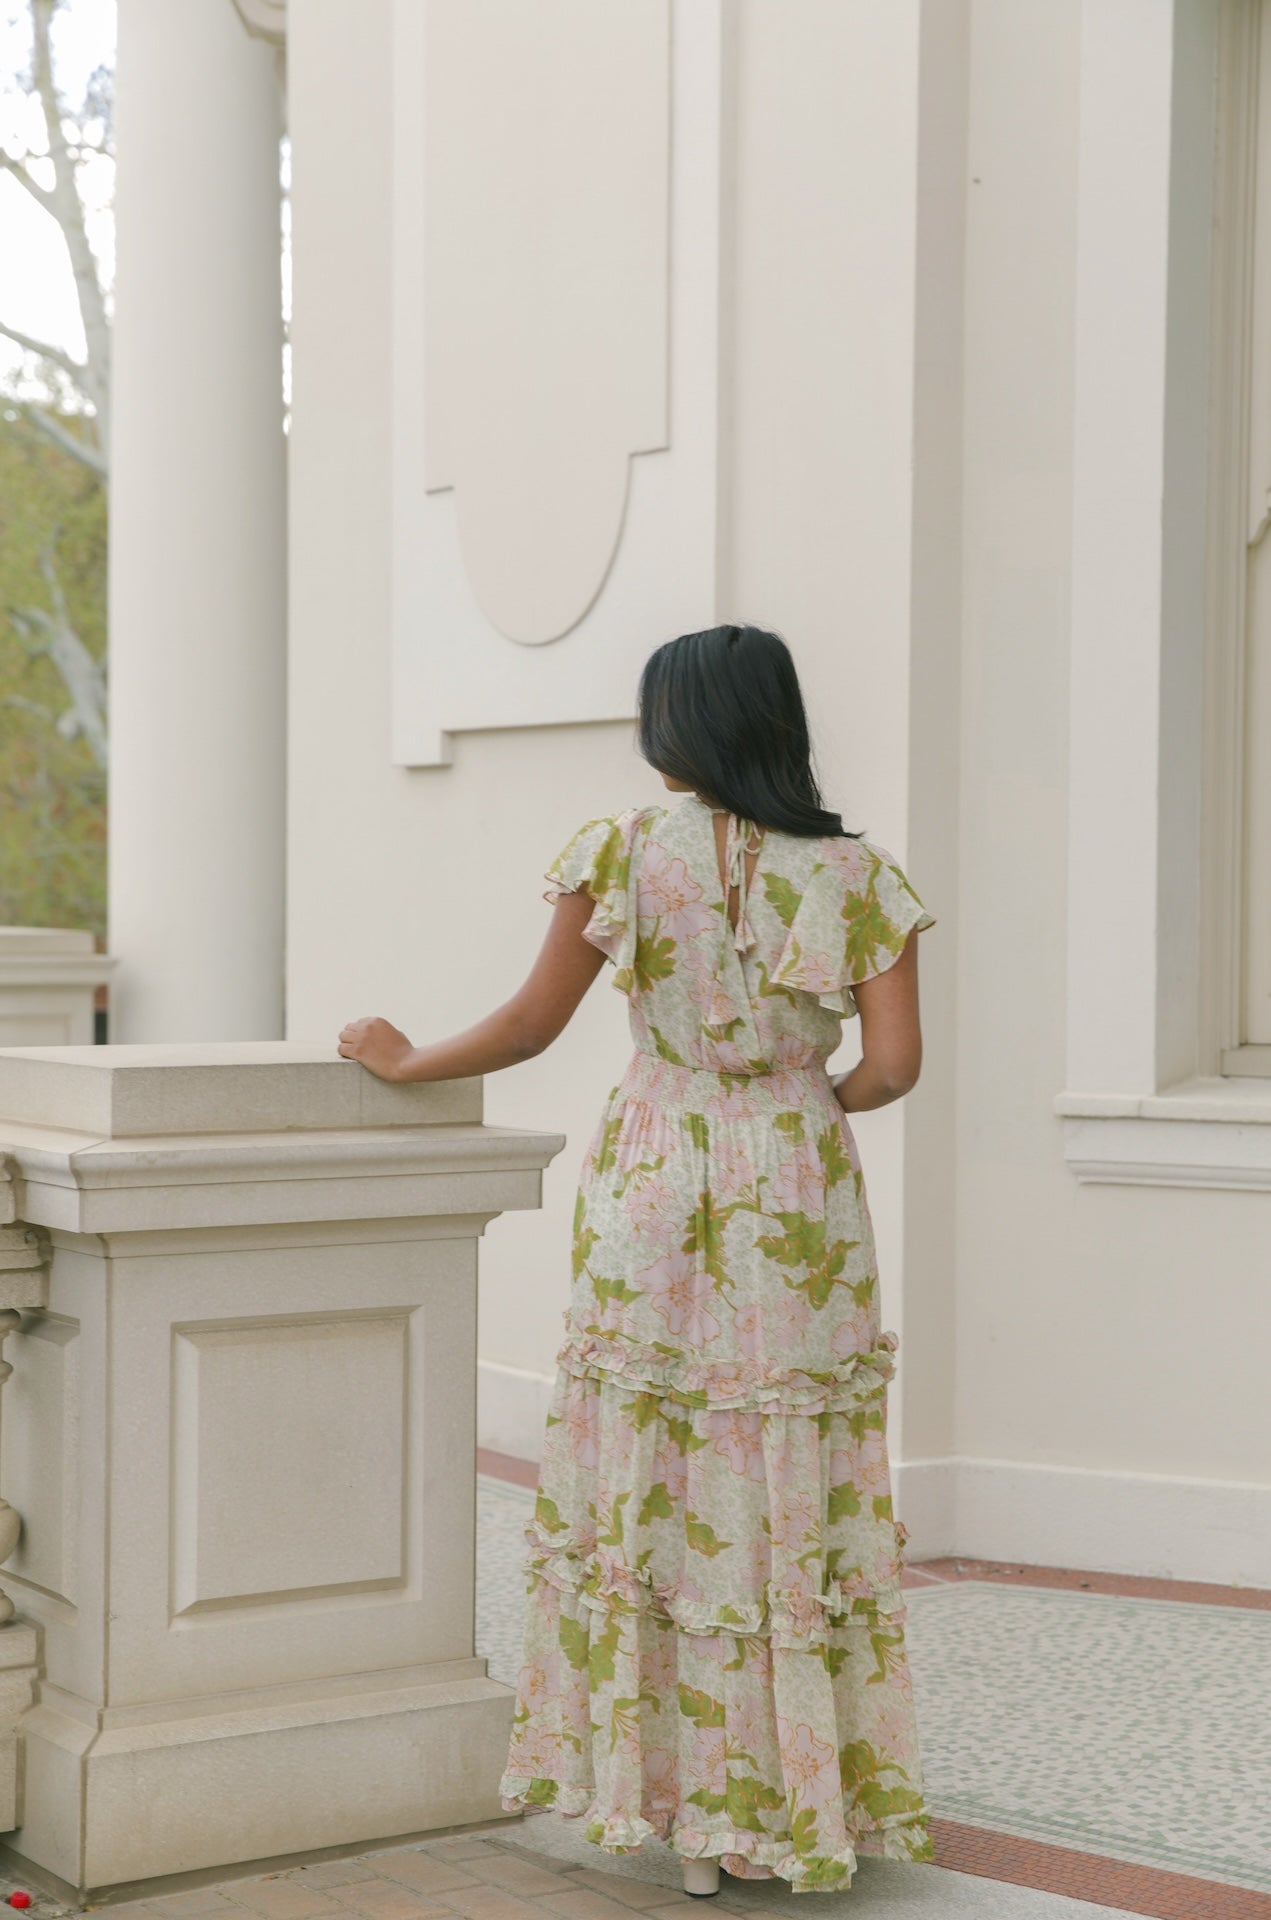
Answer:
(933, 333)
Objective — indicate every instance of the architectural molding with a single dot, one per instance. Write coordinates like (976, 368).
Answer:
(1203, 1133)
(264, 19)
(1159, 1525)
(625, 489)
(512, 1405)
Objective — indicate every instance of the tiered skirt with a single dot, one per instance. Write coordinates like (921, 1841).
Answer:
(693, 1667)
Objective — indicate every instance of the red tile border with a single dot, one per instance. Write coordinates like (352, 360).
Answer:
(1092, 1877)
(505, 1466)
(920, 1573)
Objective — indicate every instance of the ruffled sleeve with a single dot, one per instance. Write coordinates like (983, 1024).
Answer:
(600, 858)
(850, 924)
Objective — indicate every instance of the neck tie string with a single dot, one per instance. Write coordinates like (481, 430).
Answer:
(736, 842)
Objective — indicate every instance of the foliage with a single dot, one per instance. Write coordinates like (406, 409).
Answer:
(54, 448)
(52, 793)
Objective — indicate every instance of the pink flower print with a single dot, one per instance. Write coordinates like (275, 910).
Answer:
(858, 1333)
(790, 1051)
(669, 892)
(810, 1765)
(723, 1381)
(739, 1437)
(734, 1101)
(661, 1782)
(709, 1761)
(819, 973)
(658, 1664)
(645, 1134)
(850, 858)
(893, 1724)
(748, 1329)
(758, 1557)
(870, 1471)
(582, 1423)
(716, 1004)
(536, 1683)
(786, 1319)
(681, 1294)
(786, 1468)
(653, 1209)
(732, 1170)
(671, 1467)
(795, 1517)
(711, 997)
(798, 1186)
(536, 1752)
(748, 1726)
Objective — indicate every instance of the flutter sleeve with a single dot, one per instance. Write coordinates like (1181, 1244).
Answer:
(850, 924)
(601, 857)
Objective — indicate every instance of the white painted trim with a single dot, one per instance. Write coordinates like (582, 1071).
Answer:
(1201, 1133)
(1140, 1523)
(1141, 362)
(512, 1407)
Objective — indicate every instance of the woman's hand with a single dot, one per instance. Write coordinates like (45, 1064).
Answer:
(378, 1046)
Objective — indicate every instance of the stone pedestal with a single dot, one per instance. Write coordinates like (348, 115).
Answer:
(49, 978)
(241, 1438)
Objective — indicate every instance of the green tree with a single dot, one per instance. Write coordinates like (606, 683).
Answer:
(52, 786)
(54, 467)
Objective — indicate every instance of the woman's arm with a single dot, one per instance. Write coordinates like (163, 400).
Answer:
(522, 1027)
(891, 1037)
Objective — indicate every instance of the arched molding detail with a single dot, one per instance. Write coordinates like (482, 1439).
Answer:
(264, 19)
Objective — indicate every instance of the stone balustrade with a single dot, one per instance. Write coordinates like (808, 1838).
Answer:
(49, 978)
(238, 1294)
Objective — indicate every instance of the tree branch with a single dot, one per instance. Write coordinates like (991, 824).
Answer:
(82, 676)
(62, 437)
(44, 348)
(68, 210)
(17, 168)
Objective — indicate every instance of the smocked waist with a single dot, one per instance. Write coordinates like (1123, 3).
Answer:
(674, 1067)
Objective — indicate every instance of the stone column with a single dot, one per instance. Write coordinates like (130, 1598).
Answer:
(49, 977)
(197, 535)
(241, 1439)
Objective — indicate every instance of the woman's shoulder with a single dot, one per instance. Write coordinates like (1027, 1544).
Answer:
(850, 857)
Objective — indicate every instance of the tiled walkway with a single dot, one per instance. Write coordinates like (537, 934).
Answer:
(1093, 1745)
(1096, 1735)
(498, 1878)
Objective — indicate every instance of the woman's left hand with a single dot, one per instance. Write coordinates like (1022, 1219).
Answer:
(378, 1045)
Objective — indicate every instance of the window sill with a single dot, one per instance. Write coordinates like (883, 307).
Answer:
(1200, 1133)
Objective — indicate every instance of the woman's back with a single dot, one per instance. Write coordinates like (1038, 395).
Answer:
(814, 918)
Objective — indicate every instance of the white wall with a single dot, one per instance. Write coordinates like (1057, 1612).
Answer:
(1099, 1327)
(415, 892)
(1080, 1377)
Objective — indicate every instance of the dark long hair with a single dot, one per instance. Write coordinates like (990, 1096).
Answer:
(722, 711)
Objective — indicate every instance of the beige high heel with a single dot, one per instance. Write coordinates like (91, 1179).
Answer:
(701, 1878)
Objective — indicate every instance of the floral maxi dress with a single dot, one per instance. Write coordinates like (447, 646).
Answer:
(714, 1645)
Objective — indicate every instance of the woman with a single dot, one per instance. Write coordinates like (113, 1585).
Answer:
(714, 1648)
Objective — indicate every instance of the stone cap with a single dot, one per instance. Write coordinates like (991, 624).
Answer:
(24, 941)
(247, 1086)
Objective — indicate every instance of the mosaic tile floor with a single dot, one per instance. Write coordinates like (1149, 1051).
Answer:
(1136, 1729)
(1097, 1727)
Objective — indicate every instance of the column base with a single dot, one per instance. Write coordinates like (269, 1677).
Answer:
(111, 1807)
